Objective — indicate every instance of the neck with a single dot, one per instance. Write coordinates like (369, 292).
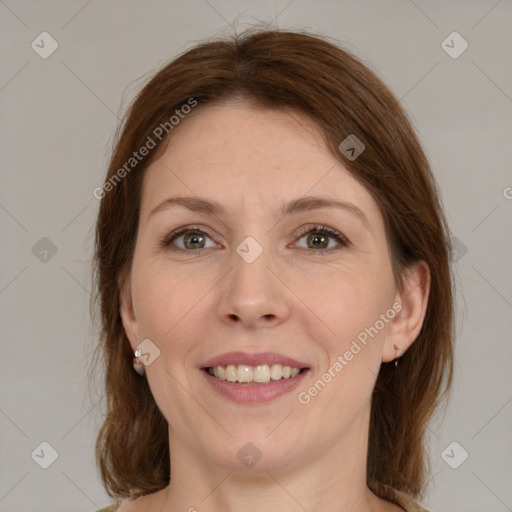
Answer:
(332, 480)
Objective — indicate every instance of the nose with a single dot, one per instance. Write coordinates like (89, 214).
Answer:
(251, 294)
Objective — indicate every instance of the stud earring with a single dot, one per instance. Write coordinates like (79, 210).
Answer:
(137, 365)
(397, 349)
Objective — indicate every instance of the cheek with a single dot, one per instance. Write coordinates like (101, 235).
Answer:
(351, 351)
(358, 308)
(347, 302)
(350, 336)
(163, 298)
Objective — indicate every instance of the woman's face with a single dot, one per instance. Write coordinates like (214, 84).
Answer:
(260, 278)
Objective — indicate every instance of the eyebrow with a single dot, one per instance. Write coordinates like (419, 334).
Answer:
(303, 204)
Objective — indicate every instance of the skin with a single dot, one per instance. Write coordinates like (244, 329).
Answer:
(295, 298)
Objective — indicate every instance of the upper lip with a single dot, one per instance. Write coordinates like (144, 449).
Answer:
(253, 359)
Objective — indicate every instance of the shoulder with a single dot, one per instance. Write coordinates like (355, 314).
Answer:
(110, 508)
(124, 506)
(143, 503)
(407, 503)
(398, 498)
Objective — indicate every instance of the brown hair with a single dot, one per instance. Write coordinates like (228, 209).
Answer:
(282, 69)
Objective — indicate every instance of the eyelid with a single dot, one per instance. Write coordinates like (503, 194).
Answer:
(168, 239)
(341, 239)
(313, 227)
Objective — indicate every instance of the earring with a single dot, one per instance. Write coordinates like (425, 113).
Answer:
(137, 365)
(397, 349)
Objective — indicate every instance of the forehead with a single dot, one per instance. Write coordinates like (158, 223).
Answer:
(243, 155)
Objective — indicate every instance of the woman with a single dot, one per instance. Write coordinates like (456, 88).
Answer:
(272, 263)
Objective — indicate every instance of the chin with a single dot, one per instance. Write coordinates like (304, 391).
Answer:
(254, 453)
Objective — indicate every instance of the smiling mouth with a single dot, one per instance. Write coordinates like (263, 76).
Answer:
(247, 374)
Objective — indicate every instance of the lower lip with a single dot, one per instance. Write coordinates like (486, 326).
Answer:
(254, 392)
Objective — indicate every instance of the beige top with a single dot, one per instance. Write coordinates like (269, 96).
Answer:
(407, 503)
(401, 499)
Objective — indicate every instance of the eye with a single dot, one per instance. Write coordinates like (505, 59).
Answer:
(187, 239)
(317, 237)
(193, 238)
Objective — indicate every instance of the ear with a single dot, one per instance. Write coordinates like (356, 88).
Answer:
(130, 324)
(413, 298)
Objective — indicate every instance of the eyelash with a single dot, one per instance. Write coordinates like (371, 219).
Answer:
(316, 228)
(324, 230)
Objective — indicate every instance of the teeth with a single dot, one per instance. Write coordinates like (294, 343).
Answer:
(261, 374)
(294, 372)
(245, 373)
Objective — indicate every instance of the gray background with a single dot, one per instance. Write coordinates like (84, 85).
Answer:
(58, 118)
